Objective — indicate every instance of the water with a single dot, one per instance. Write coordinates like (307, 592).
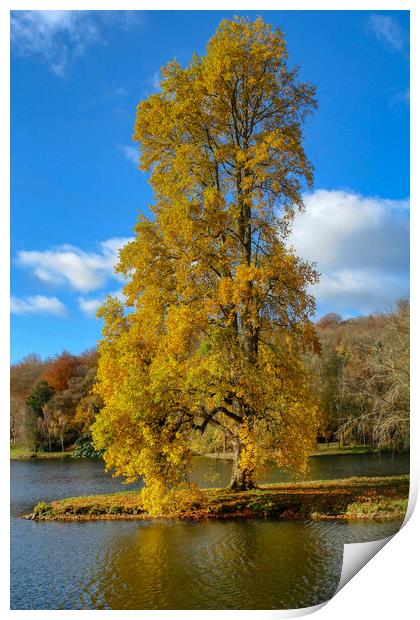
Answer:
(216, 472)
(249, 564)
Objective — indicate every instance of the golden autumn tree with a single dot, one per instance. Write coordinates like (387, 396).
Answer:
(217, 311)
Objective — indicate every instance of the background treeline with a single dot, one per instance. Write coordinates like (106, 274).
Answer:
(361, 378)
(52, 404)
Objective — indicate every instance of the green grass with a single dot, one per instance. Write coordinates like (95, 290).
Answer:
(333, 449)
(24, 453)
(383, 508)
(323, 449)
(352, 498)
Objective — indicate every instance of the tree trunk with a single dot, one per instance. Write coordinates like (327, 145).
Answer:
(240, 480)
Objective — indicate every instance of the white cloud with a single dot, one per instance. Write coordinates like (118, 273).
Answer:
(58, 37)
(361, 247)
(83, 271)
(155, 79)
(38, 304)
(131, 153)
(388, 30)
(90, 306)
(359, 291)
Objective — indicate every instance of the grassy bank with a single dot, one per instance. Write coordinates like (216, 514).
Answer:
(24, 453)
(334, 448)
(323, 449)
(352, 498)
(331, 449)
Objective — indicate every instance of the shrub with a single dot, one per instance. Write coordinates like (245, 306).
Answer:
(83, 448)
(42, 509)
(158, 501)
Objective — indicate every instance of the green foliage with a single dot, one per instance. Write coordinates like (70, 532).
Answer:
(42, 509)
(83, 447)
(46, 419)
(35, 403)
(39, 397)
(377, 508)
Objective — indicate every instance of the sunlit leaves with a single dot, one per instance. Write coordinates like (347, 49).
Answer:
(217, 308)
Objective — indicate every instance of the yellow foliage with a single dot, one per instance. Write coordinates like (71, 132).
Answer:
(158, 501)
(217, 312)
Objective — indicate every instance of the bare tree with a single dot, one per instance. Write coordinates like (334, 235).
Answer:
(375, 380)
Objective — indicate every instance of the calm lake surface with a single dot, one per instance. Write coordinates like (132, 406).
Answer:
(249, 564)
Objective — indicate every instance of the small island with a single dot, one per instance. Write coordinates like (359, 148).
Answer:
(351, 498)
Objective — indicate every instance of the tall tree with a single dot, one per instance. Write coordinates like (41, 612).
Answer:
(36, 401)
(217, 309)
(39, 397)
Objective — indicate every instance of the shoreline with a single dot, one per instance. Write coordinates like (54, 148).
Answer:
(323, 450)
(26, 455)
(380, 498)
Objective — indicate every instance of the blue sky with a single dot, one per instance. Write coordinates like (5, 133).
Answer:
(76, 192)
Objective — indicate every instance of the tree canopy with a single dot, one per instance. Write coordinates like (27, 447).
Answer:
(60, 370)
(217, 312)
(52, 400)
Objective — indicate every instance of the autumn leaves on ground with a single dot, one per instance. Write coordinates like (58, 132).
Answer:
(215, 342)
(353, 498)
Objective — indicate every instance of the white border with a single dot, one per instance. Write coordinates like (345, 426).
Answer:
(387, 586)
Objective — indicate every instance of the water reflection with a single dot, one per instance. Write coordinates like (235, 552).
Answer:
(255, 564)
(161, 565)
(217, 565)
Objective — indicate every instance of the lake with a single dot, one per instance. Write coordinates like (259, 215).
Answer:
(242, 564)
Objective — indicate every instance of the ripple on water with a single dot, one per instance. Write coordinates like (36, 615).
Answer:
(222, 565)
(253, 564)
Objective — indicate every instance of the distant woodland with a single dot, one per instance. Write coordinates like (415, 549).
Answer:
(360, 376)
